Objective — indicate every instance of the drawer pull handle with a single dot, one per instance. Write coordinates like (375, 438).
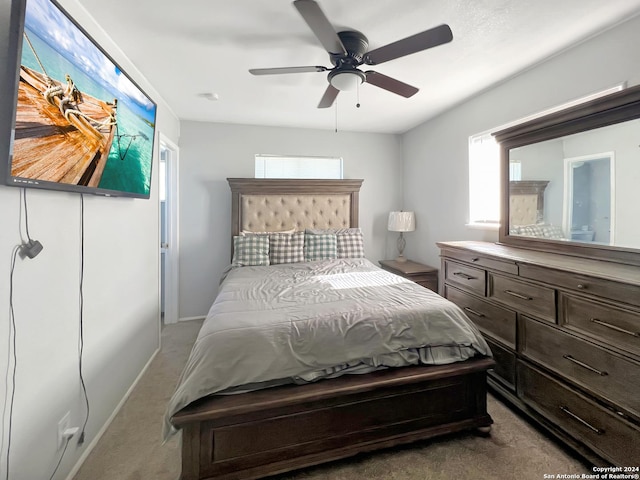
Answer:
(472, 311)
(581, 286)
(614, 327)
(464, 275)
(517, 295)
(584, 365)
(475, 259)
(599, 431)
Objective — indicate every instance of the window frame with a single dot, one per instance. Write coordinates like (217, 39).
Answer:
(302, 170)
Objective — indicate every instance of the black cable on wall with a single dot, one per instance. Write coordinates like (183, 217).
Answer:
(81, 323)
(31, 248)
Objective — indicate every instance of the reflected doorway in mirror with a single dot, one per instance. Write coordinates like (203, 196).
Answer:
(589, 198)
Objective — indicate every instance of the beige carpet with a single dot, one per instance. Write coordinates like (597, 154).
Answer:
(132, 449)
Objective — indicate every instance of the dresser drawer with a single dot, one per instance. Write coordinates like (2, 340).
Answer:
(603, 322)
(505, 367)
(523, 296)
(606, 434)
(492, 320)
(482, 261)
(600, 287)
(465, 277)
(611, 376)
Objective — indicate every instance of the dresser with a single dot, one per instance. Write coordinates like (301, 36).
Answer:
(565, 333)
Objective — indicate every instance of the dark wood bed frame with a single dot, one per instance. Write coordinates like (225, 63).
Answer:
(265, 432)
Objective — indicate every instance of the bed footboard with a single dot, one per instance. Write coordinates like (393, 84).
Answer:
(271, 431)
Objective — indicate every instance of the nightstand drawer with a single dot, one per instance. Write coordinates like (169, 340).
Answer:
(582, 283)
(608, 435)
(465, 277)
(611, 376)
(492, 320)
(603, 322)
(430, 283)
(423, 275)
(523, 296)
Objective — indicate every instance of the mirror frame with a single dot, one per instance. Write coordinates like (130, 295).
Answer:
(607, 110)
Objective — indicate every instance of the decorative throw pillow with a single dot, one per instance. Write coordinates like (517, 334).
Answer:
(286, 248)
(350, 244)
(320, 247)
(552, 231)
(542, 230)
(250, 250)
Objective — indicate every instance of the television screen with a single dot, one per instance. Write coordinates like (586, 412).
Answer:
(79, 123)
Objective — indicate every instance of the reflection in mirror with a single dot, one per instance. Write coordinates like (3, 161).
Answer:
(588, 195)
(580, 188)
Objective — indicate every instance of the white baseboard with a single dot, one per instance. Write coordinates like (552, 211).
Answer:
(98, 436)
(188, 319)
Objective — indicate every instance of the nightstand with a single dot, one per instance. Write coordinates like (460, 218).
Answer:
(419, 273)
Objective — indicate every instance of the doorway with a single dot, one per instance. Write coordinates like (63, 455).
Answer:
(168, 230)
(589, 198)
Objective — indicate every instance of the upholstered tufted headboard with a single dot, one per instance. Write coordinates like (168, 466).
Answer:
(280, 204)
(526, 202)
(524, 210)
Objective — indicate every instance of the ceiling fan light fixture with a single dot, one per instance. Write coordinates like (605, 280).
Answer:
(346, 80)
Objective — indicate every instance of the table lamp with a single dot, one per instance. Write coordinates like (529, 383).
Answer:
(401, 222)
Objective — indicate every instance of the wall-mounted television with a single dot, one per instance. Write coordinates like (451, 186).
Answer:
(73, 119)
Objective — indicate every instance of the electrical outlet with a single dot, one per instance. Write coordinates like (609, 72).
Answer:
(63, 426)
(30, 249)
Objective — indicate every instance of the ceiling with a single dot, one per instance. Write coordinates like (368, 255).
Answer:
(193, 51)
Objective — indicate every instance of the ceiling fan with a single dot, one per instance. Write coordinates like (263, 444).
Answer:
(348, 50)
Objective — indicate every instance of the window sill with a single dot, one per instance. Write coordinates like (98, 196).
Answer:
(483, 226)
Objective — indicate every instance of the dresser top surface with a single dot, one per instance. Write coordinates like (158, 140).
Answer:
(612, 271)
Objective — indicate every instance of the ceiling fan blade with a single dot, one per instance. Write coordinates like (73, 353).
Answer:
(416, 43)
(320, 25)
(390, 84)
(329, 97)
(279, 70)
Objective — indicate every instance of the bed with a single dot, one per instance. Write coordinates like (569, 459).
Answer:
(303, 361)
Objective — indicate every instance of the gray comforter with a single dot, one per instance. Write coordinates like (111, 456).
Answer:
(305, 321)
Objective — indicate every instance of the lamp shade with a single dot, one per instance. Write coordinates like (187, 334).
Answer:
(401, 222)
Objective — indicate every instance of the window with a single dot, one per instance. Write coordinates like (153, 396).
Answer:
(484, 167)
(484, 180)
(278, 166)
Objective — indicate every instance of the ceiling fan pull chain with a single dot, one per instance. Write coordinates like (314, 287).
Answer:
(336, 104)
(358, 95)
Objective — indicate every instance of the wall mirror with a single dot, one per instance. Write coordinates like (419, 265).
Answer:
(571, 180)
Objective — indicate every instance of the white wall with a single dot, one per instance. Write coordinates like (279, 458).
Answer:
(436, 152)
(121, 298)
(210, 153)
(545, 161)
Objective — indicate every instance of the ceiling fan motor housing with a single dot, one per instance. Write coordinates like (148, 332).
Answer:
(356, 45)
